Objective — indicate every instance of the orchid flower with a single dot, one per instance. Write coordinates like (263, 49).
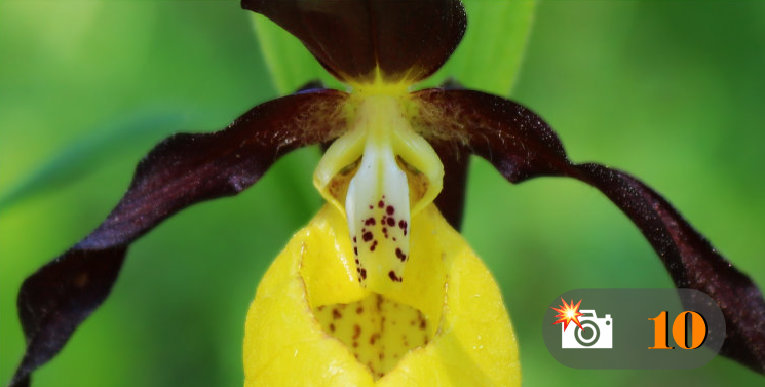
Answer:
(379, 287)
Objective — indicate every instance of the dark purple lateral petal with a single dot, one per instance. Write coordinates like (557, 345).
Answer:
(456, 160)
(522, 146)
(182, 170)
(406, 39)
(451, 200)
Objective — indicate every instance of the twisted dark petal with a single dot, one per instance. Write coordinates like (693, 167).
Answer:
(406, 39)
(456, 160)
(182, 170)
(522, 146)
(451, 200)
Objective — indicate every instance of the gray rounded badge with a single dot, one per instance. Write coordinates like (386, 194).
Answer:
(633, 328)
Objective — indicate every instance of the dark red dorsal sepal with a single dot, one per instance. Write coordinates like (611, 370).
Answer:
(407, 40)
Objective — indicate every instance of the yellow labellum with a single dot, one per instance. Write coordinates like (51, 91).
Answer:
(312, 323)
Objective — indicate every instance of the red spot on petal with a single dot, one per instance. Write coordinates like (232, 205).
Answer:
(400, 255)
(381, 204)
(389, 210)
(391, 222)
(393, 277)
(363, 274)
(367, 236)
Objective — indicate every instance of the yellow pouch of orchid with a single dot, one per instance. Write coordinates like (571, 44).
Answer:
(312, 323)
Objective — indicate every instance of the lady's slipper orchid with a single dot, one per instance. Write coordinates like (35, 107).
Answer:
(378, 287)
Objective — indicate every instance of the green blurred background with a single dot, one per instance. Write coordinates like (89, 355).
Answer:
(671, 91)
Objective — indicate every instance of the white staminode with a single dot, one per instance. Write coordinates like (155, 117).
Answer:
(377, 202)
(377, 209)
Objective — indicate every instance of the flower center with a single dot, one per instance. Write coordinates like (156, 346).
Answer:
(380, 174)
(377, 330)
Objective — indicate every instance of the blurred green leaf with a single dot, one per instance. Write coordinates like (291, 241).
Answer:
(488, 58)
(101, 143)
(490, 55)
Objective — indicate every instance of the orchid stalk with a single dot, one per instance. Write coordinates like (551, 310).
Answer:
(386, 239)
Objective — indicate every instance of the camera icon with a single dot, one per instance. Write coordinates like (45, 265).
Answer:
(596, 332)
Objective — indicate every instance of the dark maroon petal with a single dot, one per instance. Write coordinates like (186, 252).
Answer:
(451, 200)
(182, 170)
(456, 159)
(522, 146)
(351, 38)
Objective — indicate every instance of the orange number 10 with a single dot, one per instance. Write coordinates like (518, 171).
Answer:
(683, 321)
